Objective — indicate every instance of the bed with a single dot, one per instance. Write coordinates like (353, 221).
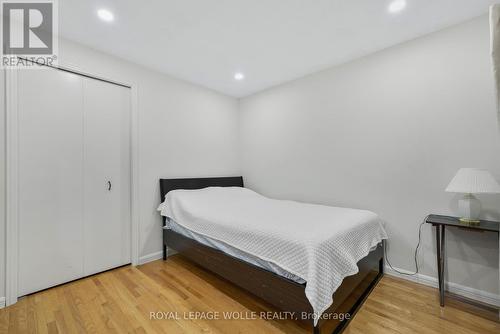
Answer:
(288, 278)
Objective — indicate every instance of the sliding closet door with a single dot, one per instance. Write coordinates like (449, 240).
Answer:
(50, 178)
(106, 175)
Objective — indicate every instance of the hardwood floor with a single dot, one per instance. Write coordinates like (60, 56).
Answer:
(122, 300)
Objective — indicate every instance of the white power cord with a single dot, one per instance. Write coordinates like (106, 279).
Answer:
(416, 252)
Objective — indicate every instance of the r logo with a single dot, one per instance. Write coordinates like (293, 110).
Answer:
(27, 28)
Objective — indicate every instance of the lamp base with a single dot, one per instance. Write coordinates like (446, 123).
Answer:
(469, 208)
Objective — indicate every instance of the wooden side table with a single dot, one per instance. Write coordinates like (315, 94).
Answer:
(440, 222)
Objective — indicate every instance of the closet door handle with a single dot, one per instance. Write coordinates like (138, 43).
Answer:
(109, 185)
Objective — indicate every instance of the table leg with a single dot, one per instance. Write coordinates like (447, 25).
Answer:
(439, 255)
(442, 265)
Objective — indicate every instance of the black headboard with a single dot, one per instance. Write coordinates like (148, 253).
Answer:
(167, 185)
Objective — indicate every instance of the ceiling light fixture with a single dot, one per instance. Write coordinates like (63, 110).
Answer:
(396, 6)
(105, 15)
(239, 76)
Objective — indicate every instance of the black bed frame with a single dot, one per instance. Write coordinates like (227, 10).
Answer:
(282, 293)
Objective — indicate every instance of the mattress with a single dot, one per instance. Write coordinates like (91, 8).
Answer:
(320, 244)
(232, 251)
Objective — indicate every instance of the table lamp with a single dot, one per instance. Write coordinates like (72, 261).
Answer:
(470, 181)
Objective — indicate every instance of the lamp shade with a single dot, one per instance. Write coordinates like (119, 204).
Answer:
(473, 181)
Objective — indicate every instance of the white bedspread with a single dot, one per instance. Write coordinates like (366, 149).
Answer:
(320, 244)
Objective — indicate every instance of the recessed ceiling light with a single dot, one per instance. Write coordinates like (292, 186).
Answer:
(239, 76)
(105, 15)
(396, 6)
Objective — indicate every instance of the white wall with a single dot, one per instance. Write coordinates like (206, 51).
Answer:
(2, 186)
(387, 133)
(184, 130)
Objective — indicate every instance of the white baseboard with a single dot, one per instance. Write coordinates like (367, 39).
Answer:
(475, 294)
(2, 302)
(155, 256)
(151, 257)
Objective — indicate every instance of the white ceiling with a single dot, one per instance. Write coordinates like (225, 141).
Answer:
(270, 41)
